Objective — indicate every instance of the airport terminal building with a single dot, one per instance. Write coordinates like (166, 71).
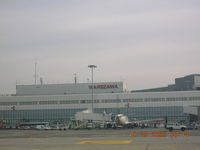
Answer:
(59, 102)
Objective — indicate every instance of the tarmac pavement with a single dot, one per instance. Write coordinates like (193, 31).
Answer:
(96, 140)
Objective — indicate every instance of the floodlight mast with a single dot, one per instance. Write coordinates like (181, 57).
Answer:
(92, 67)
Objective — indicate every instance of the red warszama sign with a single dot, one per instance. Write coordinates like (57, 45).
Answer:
(104, 86)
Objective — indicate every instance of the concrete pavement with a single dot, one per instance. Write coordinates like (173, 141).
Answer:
(98, 140)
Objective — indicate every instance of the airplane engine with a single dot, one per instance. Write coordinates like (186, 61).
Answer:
(122, 119)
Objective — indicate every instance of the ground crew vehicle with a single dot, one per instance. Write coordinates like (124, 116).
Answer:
(176, 126)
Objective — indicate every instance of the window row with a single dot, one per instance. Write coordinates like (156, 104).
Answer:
(101, 101)
(177, 99)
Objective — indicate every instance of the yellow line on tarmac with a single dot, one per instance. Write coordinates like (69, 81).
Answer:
(105, 142)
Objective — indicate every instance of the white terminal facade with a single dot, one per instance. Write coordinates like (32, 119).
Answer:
(59, 102)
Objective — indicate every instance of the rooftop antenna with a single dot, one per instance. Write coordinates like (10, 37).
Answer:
(75, 78)
(35, 75)
(41, 81)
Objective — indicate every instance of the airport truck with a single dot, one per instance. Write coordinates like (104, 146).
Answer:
(176, 126)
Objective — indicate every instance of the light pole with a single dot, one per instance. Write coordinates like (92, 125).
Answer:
(92, 68)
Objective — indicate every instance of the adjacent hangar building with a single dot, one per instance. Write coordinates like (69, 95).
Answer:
(59, 102)
(186, 83)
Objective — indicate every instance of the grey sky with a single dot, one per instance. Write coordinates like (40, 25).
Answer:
(145, 43)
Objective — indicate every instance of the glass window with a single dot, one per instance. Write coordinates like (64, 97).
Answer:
(194, 98)
(28, 103)
(8, 103)
(47, 102)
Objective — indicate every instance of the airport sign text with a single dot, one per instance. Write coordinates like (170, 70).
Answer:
(115, 86)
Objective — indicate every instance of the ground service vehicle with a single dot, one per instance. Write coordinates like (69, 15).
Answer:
(176, 126)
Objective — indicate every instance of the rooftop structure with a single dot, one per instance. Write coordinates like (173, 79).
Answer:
(186, 83)
(64, 89)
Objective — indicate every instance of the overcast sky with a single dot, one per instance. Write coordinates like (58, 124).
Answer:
(145, 43)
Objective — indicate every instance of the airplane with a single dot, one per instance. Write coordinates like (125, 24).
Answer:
(122, 120)
(103, 120)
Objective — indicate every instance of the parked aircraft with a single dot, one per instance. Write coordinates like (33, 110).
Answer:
(122, 119)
